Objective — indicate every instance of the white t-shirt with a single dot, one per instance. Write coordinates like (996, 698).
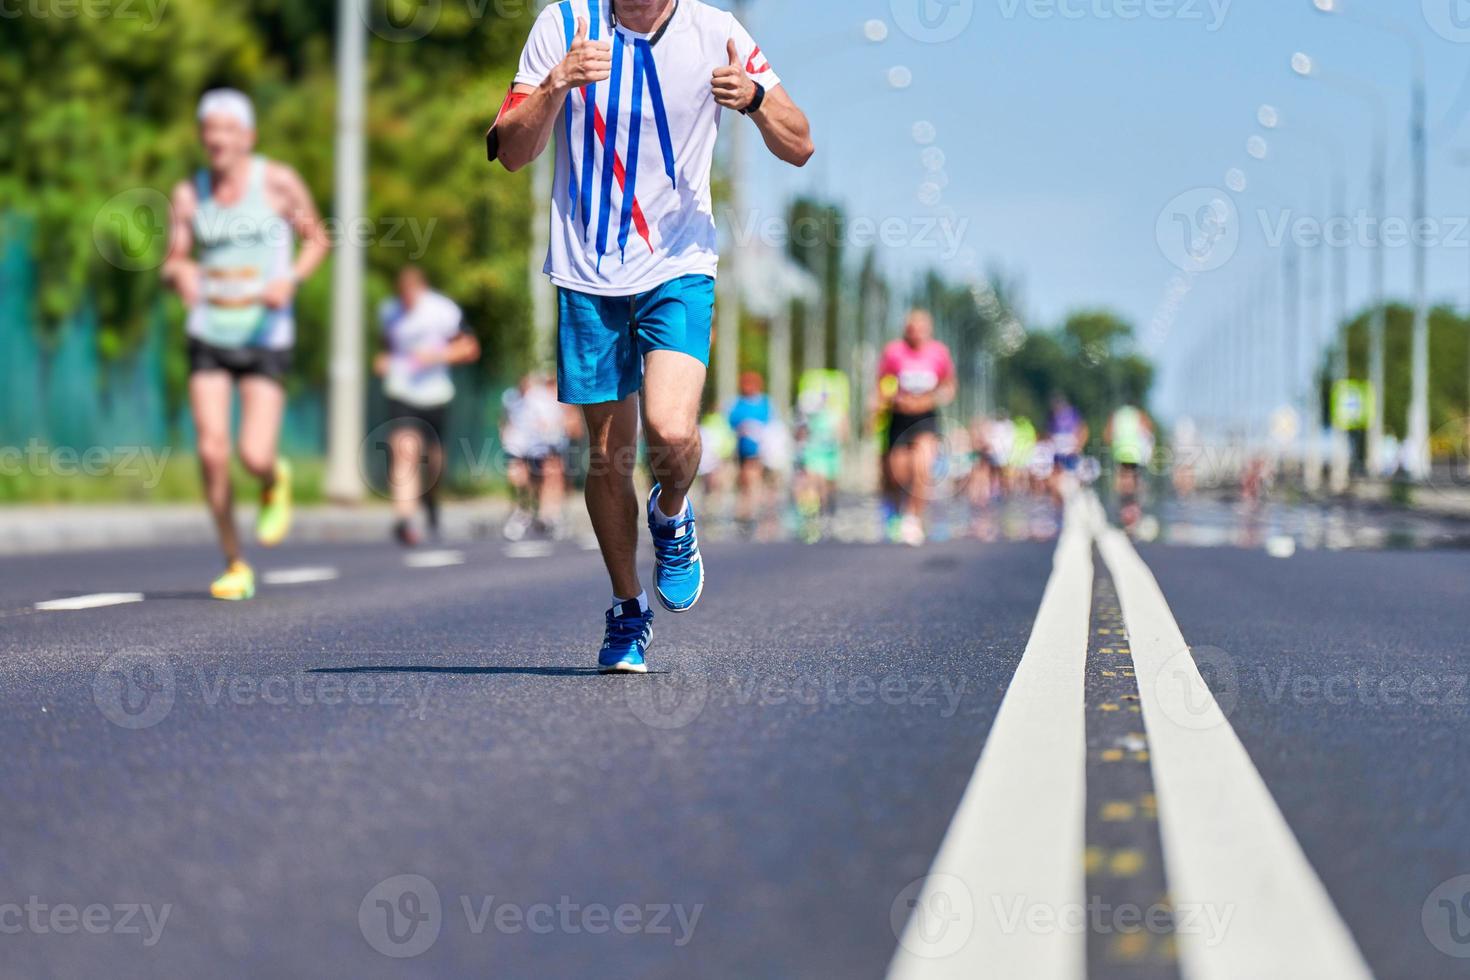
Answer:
(535, 423)
(630, 221)
(426, 328)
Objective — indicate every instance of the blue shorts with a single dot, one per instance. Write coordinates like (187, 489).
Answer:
(602, 340)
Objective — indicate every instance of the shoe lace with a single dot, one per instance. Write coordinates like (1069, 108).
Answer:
(623, 630)
(678, 553)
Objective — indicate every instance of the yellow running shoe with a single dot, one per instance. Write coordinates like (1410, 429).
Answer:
(274, 519)
(238, 582)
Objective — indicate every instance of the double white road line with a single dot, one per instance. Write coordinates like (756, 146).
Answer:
(1006, 895)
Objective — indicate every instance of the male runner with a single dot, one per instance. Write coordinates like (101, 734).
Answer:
(822, 409)
(1068, 432)
(535, 434)
(636, 90)
(919, 372)
(423, 337)
(750, 419)
(241, 211)
(1130, 437)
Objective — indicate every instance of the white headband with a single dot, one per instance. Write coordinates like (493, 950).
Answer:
(229, 102)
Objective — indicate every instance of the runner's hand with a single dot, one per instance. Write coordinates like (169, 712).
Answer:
(381, 362)
(278, 293)
(733, 88)
(586, 61)
(185, 280)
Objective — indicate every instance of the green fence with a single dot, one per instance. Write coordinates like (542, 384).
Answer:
(58, 391)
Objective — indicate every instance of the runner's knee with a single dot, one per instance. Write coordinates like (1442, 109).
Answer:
(214, 451)
(259, 462)
(672, 429)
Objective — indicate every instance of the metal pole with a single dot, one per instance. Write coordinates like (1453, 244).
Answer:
(543, 295)
(727, 335)
(543, 301)
(1291, 311)
(778, 356)
(1418, 454)
(345, 374)
(1379, 324)
(1341, 446)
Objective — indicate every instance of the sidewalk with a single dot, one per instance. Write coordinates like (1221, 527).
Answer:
(1439, 498)
(40, 529)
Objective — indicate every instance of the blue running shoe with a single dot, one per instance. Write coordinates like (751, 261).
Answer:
(629, 632)
(678, 568)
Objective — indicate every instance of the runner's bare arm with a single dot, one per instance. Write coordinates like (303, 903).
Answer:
(783, 125)
(525, 126)
(463, 349)
(180, 272)
(287, 187)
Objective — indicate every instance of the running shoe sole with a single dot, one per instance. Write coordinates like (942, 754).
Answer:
(623, 667)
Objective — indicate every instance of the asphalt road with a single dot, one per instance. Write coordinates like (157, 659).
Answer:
(422, 761)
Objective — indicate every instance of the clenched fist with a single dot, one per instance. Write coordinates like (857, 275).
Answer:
(733, 88)
(586, 61)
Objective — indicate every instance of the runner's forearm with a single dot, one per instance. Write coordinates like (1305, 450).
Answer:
(526, 129)
(785, 129)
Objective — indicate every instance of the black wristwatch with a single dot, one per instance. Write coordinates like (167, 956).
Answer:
(756, 100)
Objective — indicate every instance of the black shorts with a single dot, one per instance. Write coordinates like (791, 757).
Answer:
(535, 465)
(435, 418)
(239, 362)
(902, 429)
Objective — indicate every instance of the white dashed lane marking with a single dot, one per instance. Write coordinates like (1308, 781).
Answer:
(434, 559)
(299, 576)
(530, 549)
(95, 600)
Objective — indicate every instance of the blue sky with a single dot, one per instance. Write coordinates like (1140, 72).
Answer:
(1068, 126)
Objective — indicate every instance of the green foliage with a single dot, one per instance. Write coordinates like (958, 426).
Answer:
(1090, 360)
(96, 107)
(815, 244)
(1449, 368)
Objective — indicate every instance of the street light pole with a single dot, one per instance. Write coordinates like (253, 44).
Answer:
(345, 373)
(1370, 94)
(1419, 398)
(727, 334)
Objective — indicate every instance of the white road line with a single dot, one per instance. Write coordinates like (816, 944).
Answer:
(94, 601)
(1227, 848)
(433, 559)
(299, 576)
(530, 549)
(1014, 848)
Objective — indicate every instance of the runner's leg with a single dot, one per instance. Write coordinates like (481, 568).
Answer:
(262, 406)
(923, 452)
(209, 399)
(672, 388)
(553, 488)
(901, 475)
(612, 500)
(406, 454)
